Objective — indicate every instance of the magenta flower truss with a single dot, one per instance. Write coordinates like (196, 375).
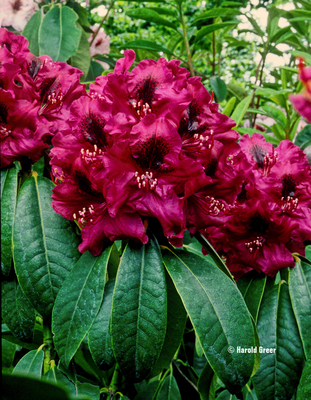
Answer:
(302, 101)
(35, 94)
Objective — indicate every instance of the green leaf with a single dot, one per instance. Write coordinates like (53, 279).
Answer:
(58, 36)
(256, 27)
(45, 244)
(8, 351)
(212, 28)
(145, 45)
(216, 12)
(31, 32)
(279, 372)
(241, 109)
(207, 383)
(219, 87)
(17, 312)
(54, 375)
(304, 387)
(86, 388)
(229, 106)
(276, 114)
(82, 58)
(278, 131)
(150, 16)
(78, 303)
(9, 180)
(176, 323)
(169, 389)
(279, 33)
(31, 363)
(300, 294)
(214, 255)
(38, 166)
(139, 309)
(303, 137)
(99, 338)
(29, 388)
(148, 391)
(252, 288)
(9, 337)
(219, 324)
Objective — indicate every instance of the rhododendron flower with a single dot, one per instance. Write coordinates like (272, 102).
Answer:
(302, 101)
(16, 13)
(101, 44)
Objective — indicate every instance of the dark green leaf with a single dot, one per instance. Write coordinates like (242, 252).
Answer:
(31, 363)
(39, 166)
(88, 389)
(82, 58)
(219, 324)
(216, 12)
(31, 32)
(303, 137)
(219, 87)
(139, 309)
(253, 288)
(78, 302)
(146, 45)
(9, 180)
(212, 28)
(58, 36)
(147, 391)
(54, 375)
(304, 387)
(214, 255)
(279, 372)
(207, 383)
(176, 323)
(300, 294)
(150, 16)
(99, 338)
(95, 70)
(169, 389)
(280, 33)
(8, 336)
(45, 244)
(8, 352)
(17, 312)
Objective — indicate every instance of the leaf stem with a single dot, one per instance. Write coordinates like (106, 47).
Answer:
(101, 23)
(113, 387)
(48, 341)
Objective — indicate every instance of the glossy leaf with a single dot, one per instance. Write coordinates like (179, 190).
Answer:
(176, 323)
(8, 336)
(78, 303)
(8, 351)
(150, 16)
(303, 137)
(59, 37)
(30, 364)
(213, 254)
(169, 389)
(212, 28)
(17, 312)
(31, 32)
(9, 180)
(99, 338)
(148, 391)
(219, 88)
(145, 45)
(45, 245)
(300, 293)
(219, 325)
(241, 109)
(82, 58)
(139, 309)
(206, 383)
(279, 371)
(252, 288)
(304, 387)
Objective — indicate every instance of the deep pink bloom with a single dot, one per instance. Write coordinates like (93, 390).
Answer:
(21, 134)
(302, 101)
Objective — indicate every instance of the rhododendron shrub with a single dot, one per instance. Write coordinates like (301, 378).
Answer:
(302, 101)
(110, 278)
